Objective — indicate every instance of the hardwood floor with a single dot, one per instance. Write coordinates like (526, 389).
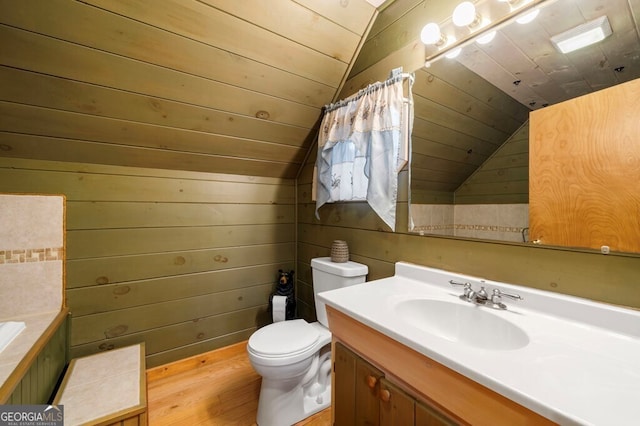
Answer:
(216, 388)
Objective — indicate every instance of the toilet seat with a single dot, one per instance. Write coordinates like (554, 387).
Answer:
(284, 342)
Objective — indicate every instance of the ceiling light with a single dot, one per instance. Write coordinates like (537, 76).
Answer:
(528, 17)
(487, 38)
(431, 35)
(516, 2)
(465, 15)
(582, 35)
(452, 54)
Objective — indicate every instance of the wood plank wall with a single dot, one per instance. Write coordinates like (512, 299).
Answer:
(503, 178)
(460, 122)
(39, 382)
(183, 261)
(213, 85)
(611, 279)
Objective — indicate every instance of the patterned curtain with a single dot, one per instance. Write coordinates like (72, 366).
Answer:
(362, 145)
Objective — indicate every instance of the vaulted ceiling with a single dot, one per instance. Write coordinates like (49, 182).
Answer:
(214, 85)
(238, 87)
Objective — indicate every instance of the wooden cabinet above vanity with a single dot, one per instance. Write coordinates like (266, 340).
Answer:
(584, 169)
(436, 394)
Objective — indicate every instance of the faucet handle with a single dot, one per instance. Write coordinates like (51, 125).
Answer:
(468, 294)
(498, 294)
(465, 285)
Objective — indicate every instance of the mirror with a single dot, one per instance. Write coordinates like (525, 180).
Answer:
(469, 174)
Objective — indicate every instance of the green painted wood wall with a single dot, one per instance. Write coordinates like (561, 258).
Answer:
(40, 381)
(607, 278)
(503, 178)
(184, 261)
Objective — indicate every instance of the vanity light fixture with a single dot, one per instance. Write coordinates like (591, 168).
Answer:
(453, 53)
(431, 34)
(464, 15)
(486, 38)
(528, 17)
(514, 3)
(583, 35)
(481, 30)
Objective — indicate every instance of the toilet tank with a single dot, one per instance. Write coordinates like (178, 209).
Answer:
(328, 275)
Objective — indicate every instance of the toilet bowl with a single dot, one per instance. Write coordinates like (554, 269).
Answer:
(294, 357)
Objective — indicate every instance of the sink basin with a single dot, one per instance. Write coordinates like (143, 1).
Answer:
(465, 323)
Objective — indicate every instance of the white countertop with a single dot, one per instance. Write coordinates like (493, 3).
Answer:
(580, 367)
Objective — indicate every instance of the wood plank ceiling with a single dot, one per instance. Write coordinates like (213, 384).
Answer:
(218, 86)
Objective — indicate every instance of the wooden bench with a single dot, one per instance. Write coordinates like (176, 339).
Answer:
(108, 388)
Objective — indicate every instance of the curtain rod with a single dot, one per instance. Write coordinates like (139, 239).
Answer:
(369, 89)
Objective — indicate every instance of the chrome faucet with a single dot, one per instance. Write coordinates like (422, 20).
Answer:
(482, 298)
(496, 298)
(469, 295)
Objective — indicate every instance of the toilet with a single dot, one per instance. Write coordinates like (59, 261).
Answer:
(294, 357)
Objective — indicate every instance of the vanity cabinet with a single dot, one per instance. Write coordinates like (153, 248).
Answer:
(356, 389)
(375, 365)
(364, 396)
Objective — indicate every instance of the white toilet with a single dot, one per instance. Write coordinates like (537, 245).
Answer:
(294, 357)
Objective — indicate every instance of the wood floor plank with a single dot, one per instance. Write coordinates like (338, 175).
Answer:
(216, 388)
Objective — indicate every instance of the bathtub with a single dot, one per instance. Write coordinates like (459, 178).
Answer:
(9, 330)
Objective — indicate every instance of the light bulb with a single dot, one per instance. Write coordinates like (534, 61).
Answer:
(454, 53)
(487, 38)
(528, 17)
(464, 14)
(431, 34)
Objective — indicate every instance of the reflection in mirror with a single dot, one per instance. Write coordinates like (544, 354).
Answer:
(469, 175)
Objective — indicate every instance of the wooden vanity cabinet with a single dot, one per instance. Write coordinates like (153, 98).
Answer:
(363, 396)
(356, 389)
(398, 407)
(374, 365)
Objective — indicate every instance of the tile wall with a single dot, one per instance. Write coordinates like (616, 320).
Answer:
(504, 222)
(31, 254)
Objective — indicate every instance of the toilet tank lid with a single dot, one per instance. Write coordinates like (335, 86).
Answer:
(344, 269)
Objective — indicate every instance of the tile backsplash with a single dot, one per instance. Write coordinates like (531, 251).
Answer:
(504, 222)
(31, 254)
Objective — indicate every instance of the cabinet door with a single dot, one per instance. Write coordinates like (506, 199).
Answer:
(583, 164)
(396, 406)
(344, 382)
(367, 387)
(356, 385)
(428, 416)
